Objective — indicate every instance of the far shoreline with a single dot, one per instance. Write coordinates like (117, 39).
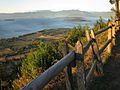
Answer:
(15, 45)
(32, 33)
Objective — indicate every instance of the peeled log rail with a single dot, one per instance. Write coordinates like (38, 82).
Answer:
(44, 78)
(91, 71)
(106, 44)
(88, 77)
(49, 74)
(86, 47)
(102, 30)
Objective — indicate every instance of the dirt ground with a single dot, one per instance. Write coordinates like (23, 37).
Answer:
(111, 78)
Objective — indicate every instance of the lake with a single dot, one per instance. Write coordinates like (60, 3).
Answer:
(15, 27)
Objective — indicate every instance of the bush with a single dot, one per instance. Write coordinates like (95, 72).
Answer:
(100, 24)
(46, 54)
(76, 33)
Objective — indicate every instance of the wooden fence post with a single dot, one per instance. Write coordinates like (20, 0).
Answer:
(109, 38)
(113, 33)
(69, 77)
(87, 35)
(0, 84)
(117, 23)
(91, 47)
(93, 54)
(80, 66)
(97, 47)
(98, 57)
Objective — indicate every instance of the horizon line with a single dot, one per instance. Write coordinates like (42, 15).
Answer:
(50, 10)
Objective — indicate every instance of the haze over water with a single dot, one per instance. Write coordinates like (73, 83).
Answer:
(16, 27)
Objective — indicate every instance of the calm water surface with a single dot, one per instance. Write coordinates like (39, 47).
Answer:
(16, 27)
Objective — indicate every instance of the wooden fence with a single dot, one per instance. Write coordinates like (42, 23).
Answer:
(77, 58)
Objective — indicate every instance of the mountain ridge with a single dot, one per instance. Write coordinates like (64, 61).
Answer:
(55, 14)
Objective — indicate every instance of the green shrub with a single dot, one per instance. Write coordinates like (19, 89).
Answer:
(44, 56)
(76, 33)
(99, 24)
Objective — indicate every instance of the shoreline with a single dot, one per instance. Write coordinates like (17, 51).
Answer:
(32, 33)
(23, 44)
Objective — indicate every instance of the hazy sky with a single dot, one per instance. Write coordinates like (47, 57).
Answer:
(54, 5)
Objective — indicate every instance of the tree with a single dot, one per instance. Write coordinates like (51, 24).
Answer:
(116, 10)
(112, 1)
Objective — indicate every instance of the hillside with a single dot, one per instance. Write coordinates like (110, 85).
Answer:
(51, 14)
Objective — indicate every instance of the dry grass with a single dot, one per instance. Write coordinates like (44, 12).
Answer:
(6, 51)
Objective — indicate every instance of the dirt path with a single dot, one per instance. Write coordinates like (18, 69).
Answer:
(111, 78)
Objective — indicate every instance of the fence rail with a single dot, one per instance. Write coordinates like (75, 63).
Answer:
(50, 73)
(100, 31)
(77, 57)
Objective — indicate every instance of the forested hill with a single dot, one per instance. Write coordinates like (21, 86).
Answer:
(51, 14)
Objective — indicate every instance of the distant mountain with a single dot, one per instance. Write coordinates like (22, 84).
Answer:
(58, 14)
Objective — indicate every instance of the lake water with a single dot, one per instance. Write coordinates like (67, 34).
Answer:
(14, 28)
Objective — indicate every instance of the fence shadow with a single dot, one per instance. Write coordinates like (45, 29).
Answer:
(111, 78)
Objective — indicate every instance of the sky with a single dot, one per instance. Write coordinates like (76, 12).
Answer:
(12, 6)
